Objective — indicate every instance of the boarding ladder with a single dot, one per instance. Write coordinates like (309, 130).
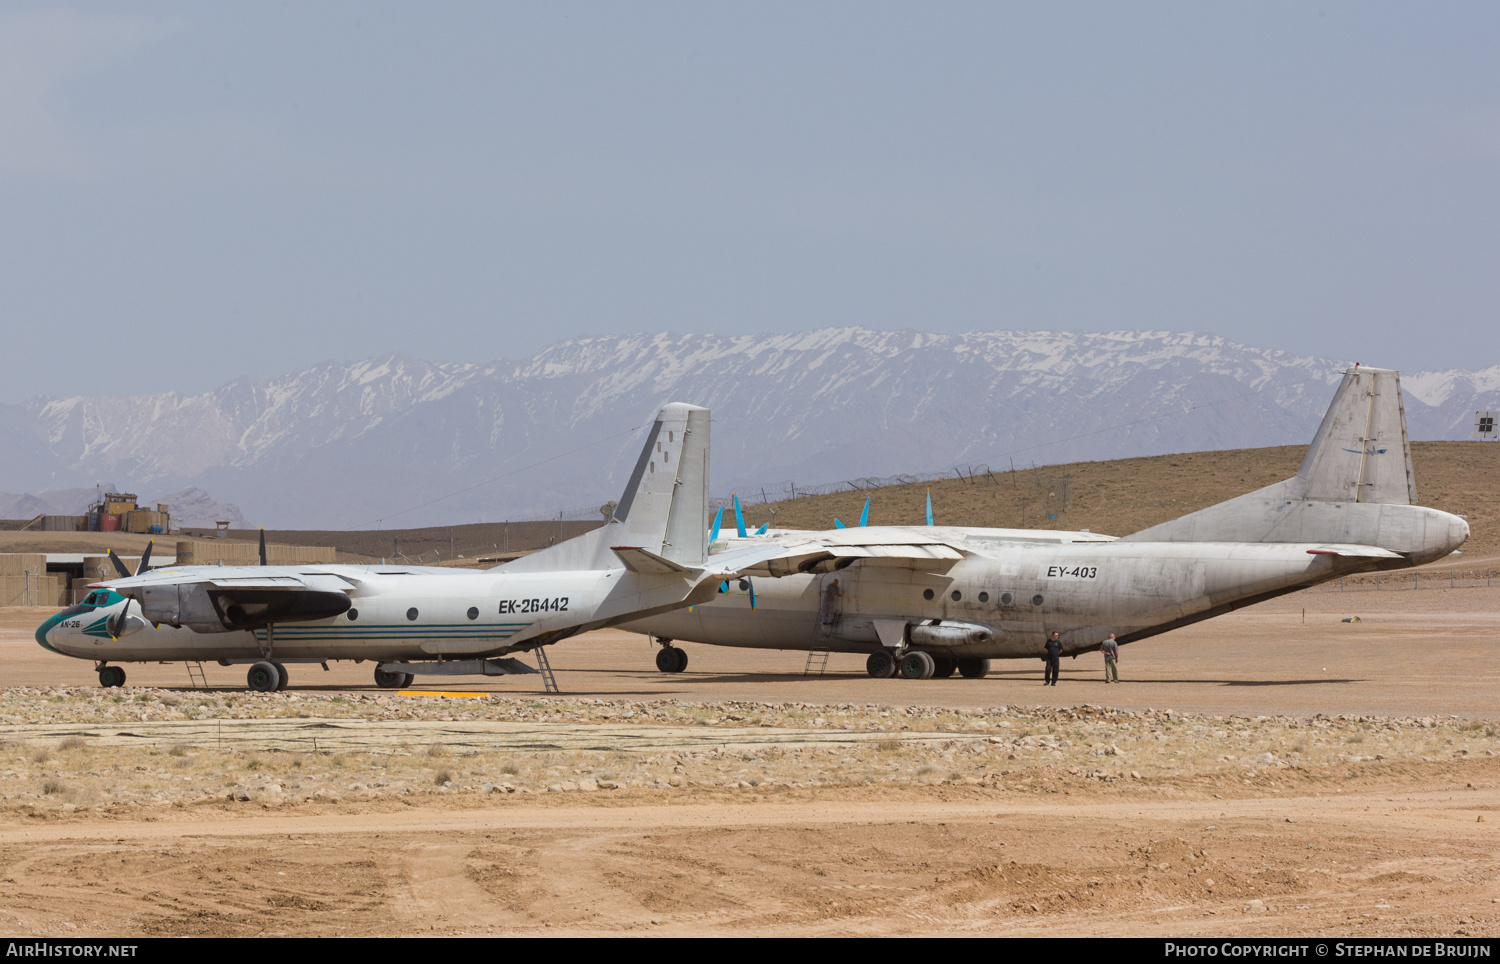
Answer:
(195, 675)
(549, 681)
(817, 659)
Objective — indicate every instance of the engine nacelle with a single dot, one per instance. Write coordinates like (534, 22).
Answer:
(183, 606)
(944, 633)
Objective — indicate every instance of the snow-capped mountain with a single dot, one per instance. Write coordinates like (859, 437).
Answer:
(341, 445)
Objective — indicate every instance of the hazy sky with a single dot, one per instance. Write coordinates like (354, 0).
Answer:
(190, 192)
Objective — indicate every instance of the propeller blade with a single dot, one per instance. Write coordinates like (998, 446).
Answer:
(763, 527)
(739, 518)
(724, 587)
(140, 567)
(929, 507)
(263, 542)
(119, 566)
(713, 534)
(117, 621)
(864, 517)
(750, 586)
(839, 525)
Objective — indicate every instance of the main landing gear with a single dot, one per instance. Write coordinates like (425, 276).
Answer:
(915, 664)
(670, 659)
(267, 676)
(111, 676)
(388, 680)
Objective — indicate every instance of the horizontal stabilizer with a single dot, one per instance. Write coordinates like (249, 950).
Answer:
(637, 559)
(1355, 552)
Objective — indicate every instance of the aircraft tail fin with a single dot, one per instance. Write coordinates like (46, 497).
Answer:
(1361, 452)
(664, 509)
(1355, 487)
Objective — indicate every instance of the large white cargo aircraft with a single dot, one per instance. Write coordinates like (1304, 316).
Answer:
(929, 600)
(649, 558)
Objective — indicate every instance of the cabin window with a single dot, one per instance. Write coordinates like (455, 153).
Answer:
(984, 597)
(473, 612)
(412, 612)
(1006, 599)
(955, 595)
(926, 593)
(1037, 599)
(353, 614)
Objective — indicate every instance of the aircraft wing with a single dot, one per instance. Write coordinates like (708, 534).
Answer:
(1355, 552)
(821, 556)
(217, 598)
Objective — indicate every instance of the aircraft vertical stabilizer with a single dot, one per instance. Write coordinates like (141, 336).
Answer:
(1355, 487)
(1361, 453)
(664, 509)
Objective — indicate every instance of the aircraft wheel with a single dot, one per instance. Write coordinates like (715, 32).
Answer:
(670, 659)
(881, 665)
(917, 666)
(111, 676)
(284, 679)
(388, 680)
(263, 677)
(972, 668)
(943, 666)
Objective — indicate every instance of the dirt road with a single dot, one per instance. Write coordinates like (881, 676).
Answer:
(1381, 859)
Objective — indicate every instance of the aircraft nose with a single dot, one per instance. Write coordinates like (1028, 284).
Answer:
(44, 631)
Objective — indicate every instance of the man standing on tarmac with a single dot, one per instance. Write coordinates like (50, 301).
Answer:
(1111, 651)
(1053, 657)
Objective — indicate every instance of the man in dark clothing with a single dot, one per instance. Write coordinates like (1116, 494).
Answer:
(1054, 658)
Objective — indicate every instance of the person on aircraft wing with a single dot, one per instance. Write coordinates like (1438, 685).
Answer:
(1111, 651)
(1054, 658)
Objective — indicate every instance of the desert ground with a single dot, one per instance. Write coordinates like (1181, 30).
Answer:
(1273, 772)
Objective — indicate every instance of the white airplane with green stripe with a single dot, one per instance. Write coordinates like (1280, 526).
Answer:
(407, 620)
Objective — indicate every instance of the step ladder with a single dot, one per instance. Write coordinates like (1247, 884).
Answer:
(817, 659)
(549, 681)
(195, 675)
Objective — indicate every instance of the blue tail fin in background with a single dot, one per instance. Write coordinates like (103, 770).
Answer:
(739, 518)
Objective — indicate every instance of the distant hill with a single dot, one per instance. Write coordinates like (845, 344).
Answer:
(381, 443)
